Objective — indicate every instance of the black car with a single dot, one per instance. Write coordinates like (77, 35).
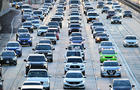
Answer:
(110, 14)
(98, 30)
(127, 14)
(74, 27)
(101, 37)
(8, 57)
(105, 9)
(57, 19)
(21, 30)
(47, 41)
(25, 39)
(36, 61)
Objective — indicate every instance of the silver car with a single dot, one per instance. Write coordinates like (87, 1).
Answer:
(130, 40)
(110, 68)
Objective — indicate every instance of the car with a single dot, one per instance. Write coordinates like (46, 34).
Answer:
(110, 68)
(46, 49)
(31, 85)
(77, 39)
(18, 5)
(92, 16)
(28, 25)
(130, 40)
(74, 63)
(57, 19)
(51, 36)
(74, 79)
(40, 75)
(116, 20)
(14, 45)
(96, 25)
(45, 11)
(76, 47)
(74, 20)
(38, 13)
(106, 55)
(42, 30)
(78, 53)
(59, 15)
(35, 61)
(105, 9)
(106, 45)
(8, 57)
(73, 34)
(74, 27)
(109, 2)
(21, 30)
(118, 8)
(127, 14)
(24, 7)
(110, 13)
(46, 41)
(27, 13)
(101, 37)
(100, 4)
(25, 39)
(36, 23)
(54, 24)
(123, 84)
(98, 30)
(87, 9)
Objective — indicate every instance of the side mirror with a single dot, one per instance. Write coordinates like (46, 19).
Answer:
(64, 61)
(25, 60)
(50, 76)
(53, 49)
(84, 62)
(120, 65)
(101, 65)
(66, 48)
(133, 85)
(83, 39)
(63, 76)
(19, 88)
(110, 86)
(33, 49)
(25, 75)
(84, 77)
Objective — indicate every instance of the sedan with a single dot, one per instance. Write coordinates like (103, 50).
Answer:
(130, 40)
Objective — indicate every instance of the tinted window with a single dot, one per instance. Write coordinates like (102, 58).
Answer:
(108, 52)
(24, 36)
(43, 47)
(110, 64)
(73, 53)
(131, 38)
(12, 45)
(77, 38)
(122, 83)
(36, 58)
(8, 54)
(76, 60)
(37, 74)
(106, 44)
(74, 75)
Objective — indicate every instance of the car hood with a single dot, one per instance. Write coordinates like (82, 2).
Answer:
(44, 79)
(131, 40)
(108, 55)
(73, 79)
(12, 48)
(110, 68)
(122, 88)
(75, 64)
(106, 47)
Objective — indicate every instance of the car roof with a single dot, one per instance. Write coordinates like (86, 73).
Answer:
(36, 55)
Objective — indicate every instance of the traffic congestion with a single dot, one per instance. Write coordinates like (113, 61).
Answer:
(74, 44)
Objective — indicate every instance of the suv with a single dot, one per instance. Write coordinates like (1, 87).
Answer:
(46, 49)
(25, 39)
(105, 9)
(8, 57)
(101, 37)
(42, 30)
(28, 25)
(52, 37)
(97, 31)
(110, 14)
(92, 16)
(96, 25)
(74, 63)
(116, 20)
(110, 68)
(74, 79)
(57, 19)
(121, 84)
(36, 61)
(74, 27)
(130, 40)
(127, 14)
(108, 55)
(21, 30)
(40, 75)
(14, 45)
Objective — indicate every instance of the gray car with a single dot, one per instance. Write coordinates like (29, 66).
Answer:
(130, 40)
(110, 68)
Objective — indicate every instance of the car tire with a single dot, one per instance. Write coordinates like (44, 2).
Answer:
(15, 62)
(102, 75)
(124, 45)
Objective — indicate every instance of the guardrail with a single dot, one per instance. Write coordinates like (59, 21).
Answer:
(131, 4)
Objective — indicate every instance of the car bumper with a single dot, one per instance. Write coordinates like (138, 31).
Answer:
(66, 85)
(118, 73)
(105, 59)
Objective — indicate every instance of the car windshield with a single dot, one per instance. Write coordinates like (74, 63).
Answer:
(12, 45)
(24, 24)
(56, 19)
(74, 60)
(76, 34)
(75, 14)
(24, 36)
(74, 25)
(73, 53)
(110, 64)
(35, 22)
(31, 83)
(92, 14)
(97, 24)
(117, 6)
(37, 12)
(108, 52)
(43, 28)
(77, 47)
(115, 17)
(121, 83)
(50, 35)
(106, 44)
(131, 38)
(8, 54)
(104, 35)
(37, 74)
(58, 14)
(74, 75)
(76, 38)
(106, 8)
(127, 12)
(99, 29)
(43, 47)
(36, 58)
(32, 89)
(45, 41)
(27, 11)
(24, 7)
(111, 12)
(23, 31)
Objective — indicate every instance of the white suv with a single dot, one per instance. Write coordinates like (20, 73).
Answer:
(74, 79)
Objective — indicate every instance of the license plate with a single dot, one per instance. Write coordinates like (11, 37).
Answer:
(7, 61)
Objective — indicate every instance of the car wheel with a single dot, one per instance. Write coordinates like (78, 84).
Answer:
(15, 62)
(120, 23)
(84, 73)
(124, 45)
(30, 44)
(102, 75)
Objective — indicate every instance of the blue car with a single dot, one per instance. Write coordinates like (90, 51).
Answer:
(77, 39)
(25, 39)
(14, 45)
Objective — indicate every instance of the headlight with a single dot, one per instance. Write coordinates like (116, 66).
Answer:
(114, 57)
(67, 65)
(1, 58)
(118, 70)
(97, 38)
(27, 65)
(15, 58)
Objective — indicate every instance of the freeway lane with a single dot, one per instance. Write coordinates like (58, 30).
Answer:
(14, 75)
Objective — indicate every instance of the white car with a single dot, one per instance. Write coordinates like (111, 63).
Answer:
(40, 75)
(31, 85)
(130, 40)
(42, 30)
(74, 79)
(116, 20)
(75, 63)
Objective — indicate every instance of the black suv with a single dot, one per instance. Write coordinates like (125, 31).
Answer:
(36, 61)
